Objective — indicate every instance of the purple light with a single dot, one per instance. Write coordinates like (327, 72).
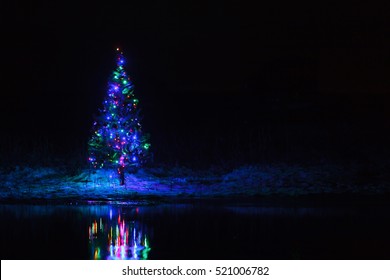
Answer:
(122, 160)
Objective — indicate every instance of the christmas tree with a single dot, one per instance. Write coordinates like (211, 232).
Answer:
(117, 140)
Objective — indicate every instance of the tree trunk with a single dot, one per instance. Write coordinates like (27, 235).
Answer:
(121, 171)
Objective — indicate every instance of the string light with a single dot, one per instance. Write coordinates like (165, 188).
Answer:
(109, 144)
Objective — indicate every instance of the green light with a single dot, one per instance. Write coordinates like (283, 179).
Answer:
(146, 242)
(124, 82)
(146, 146)
(145, 253)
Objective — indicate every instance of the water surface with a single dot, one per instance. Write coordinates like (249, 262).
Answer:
(202, 230)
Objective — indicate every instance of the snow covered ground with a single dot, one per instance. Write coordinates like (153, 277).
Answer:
(45, 183)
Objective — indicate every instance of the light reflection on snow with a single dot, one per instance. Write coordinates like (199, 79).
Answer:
(118, 238)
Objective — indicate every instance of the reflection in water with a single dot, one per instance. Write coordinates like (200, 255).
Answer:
(118, 238)
(197, 230)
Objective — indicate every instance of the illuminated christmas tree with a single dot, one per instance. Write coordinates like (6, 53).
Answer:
(117, 140)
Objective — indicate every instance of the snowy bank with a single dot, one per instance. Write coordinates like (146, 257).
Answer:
(163, 183)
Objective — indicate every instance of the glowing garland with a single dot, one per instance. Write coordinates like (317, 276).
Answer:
(117, 139)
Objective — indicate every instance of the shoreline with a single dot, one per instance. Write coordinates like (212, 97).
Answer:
(317, 200)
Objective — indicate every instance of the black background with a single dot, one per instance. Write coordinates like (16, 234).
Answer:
(218, 81)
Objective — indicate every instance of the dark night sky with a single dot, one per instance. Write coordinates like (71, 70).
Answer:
(197, 66)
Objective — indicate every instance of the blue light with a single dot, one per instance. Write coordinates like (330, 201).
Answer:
(111, 251)
(134, 159)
